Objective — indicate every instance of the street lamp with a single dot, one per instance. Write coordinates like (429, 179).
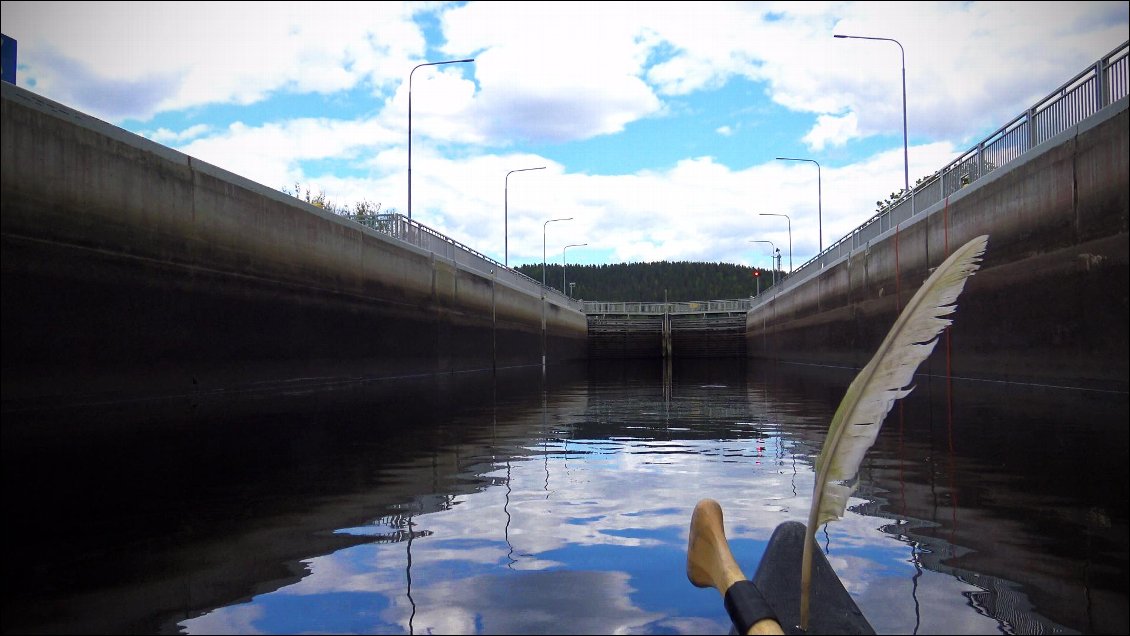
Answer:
(790, 236)
(905, 155)
(506, 213)
(410, 122)
(563, 262)
(819, 201)
(771, 258)
(543, 226)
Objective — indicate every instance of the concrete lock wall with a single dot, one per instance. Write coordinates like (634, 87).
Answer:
(130, 268)
(1049, 303)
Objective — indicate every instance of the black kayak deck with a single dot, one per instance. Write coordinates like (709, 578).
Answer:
(831, 608)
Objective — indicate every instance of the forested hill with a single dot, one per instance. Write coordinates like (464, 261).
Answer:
(654, 282)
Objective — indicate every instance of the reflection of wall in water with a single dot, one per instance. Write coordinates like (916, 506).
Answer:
(276, 473)
(1016, 482)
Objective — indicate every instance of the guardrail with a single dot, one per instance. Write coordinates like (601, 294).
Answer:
(412, 232)
(1098, 86)
(693, 307)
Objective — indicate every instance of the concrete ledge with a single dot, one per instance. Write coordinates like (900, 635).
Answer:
(1049, 304)
(130, 268)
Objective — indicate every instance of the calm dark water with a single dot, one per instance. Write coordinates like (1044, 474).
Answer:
(557, 503)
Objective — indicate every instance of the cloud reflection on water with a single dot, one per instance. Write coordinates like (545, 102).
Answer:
(614, 508)
(586, 501)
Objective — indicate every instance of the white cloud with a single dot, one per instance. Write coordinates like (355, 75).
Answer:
(96, 56)
(560, 72)
(970, 67)
(831, 130)
(552, 71)
(270, 154)
(171, 138)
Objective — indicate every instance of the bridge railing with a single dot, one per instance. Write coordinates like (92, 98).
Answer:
(692, 307)
(404, 229)
(1096, 87)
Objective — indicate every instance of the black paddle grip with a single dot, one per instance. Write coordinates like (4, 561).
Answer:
(746, 606)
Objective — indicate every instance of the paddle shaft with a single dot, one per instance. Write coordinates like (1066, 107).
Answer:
(710, 562)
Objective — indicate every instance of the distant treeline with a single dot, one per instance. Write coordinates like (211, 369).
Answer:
(654, 282)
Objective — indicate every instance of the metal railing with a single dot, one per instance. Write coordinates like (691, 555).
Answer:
(692, 307)
(412, 232)
(1098, 86)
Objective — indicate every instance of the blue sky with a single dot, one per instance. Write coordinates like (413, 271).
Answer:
(658, 123)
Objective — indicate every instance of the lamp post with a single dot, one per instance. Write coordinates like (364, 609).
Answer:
(770, 258)
(563, 262)
(506, 214)
(819, 202)
(543, 226)
(410, 122)
(790, 236)
(905, 154)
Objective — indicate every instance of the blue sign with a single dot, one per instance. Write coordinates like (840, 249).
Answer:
(8, 53)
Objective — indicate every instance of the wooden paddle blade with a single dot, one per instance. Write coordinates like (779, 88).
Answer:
(709, 560)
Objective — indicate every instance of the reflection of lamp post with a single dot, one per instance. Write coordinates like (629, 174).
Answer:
(770, 258)
(506, 213)
(563, 263)
(905, 154)
(410, 123)
(819, 202)
(790, 236)
(543, 225)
